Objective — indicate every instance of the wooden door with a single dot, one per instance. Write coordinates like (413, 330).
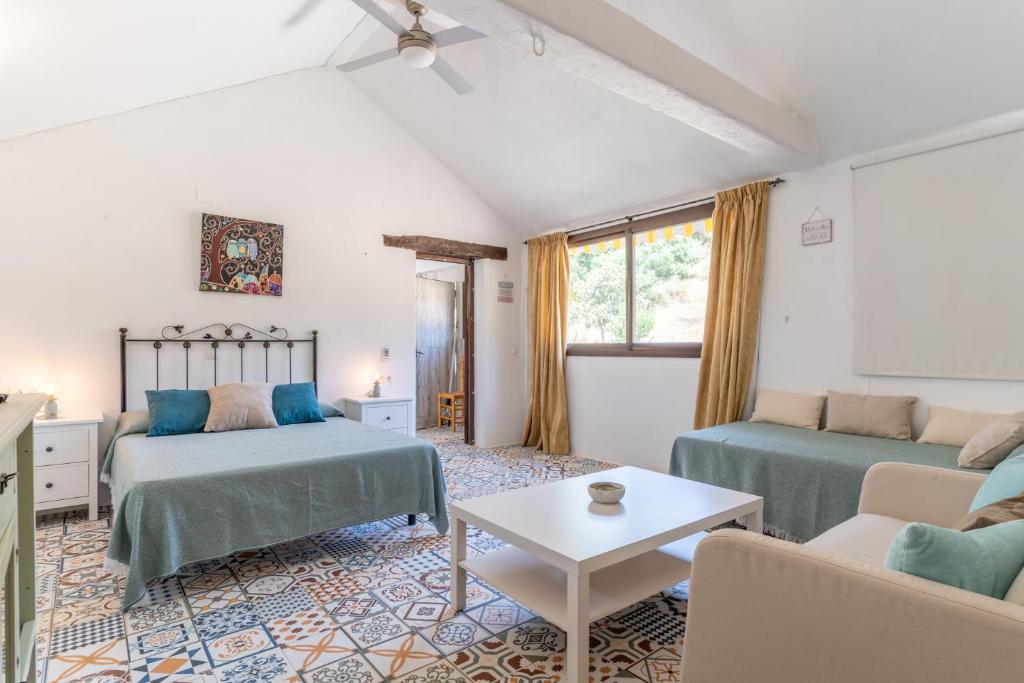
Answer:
(435, 301)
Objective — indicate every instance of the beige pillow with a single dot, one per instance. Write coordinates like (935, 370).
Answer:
(952, 427)
(241, 406)
(788, 408)
(884, 416)
(991, 445)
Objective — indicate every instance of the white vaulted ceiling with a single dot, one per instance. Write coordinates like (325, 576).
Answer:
(63, 61)
(540, 144)
(863, 74)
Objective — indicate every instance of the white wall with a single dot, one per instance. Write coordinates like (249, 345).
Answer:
(807, 306)
(500, 333)
(101, 230)
(630, 410)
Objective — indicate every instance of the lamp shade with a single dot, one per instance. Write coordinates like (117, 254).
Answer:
(417, 55)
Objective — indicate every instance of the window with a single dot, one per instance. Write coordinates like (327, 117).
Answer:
(640, 288)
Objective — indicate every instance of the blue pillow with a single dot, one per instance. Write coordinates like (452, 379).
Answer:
(177, 411)
(295, 403)
(982, 561)
(1005, 481)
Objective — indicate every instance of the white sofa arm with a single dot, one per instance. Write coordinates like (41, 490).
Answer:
(770, 611)
(918, 493)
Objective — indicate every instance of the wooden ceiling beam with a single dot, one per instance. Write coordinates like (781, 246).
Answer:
(604, 45)
(438, 246)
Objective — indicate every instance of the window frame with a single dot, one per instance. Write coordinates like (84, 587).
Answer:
(625, 230)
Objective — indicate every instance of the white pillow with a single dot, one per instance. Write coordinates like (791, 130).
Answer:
(240, 406)
(788, 408)
(952, 427)
(991, 445)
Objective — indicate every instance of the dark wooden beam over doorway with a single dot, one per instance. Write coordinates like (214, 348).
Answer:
(442, 247)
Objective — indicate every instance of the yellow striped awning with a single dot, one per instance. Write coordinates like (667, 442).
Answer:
(650, 236)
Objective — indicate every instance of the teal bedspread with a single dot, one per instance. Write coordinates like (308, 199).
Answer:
(181, 499)
(810, 481)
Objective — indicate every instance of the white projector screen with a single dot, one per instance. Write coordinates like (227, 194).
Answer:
(939, 263)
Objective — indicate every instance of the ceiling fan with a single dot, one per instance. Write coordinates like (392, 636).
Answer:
(416, 46)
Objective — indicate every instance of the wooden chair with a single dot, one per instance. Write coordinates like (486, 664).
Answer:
(451, 404)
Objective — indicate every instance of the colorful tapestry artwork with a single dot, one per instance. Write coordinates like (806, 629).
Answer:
(241, 256)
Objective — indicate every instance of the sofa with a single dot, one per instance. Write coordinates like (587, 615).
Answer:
(767, 610)
(810, 480)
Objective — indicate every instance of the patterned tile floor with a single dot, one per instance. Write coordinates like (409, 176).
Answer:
(360, 604)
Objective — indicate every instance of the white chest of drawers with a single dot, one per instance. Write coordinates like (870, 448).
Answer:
(65, 456)
(385, 412)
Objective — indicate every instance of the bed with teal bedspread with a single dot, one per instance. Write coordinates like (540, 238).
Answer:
(810, 480)
(190, 497)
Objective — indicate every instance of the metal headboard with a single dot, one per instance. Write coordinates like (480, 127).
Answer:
(214, 335)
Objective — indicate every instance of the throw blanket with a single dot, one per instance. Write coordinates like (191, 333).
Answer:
(810, 480)
(191, 497)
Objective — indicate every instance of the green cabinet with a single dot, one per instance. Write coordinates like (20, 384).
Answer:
(17, 539)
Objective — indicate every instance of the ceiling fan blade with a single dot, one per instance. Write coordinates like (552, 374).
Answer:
(300, 14)
(452, 77)
(378, 13)
(454, 36)
(368, 60)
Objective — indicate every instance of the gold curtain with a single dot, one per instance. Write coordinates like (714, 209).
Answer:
(734, 304)
(547, 413)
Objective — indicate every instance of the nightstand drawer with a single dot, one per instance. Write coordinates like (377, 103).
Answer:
(60, 482)
(57, 446)
(388, 417)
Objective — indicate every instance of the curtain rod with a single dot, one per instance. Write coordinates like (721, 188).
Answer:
(629, 218)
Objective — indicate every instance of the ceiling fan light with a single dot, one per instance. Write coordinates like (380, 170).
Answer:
(417, 49)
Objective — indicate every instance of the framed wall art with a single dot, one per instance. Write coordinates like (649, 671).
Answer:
(241, 256)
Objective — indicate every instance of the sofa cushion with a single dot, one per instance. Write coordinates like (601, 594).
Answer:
(953, 427)
(868, 415)
(865, 538)
(985, 561)
(788, 408)
(1005, 481)
(993, 444)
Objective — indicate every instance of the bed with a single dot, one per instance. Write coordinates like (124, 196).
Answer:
(810, 480)
(190, 497)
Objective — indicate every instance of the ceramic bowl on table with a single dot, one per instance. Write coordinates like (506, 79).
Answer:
(606, 492)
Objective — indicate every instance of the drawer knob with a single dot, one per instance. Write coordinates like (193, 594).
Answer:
(49, 449)
(388, 417)
(49, 484)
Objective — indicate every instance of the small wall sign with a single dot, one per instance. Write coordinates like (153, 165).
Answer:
(817, 232)
(505, 292)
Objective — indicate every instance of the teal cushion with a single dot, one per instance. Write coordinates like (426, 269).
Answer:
(982, 561)
(177, 411)
(295, 403)
(1005, 481)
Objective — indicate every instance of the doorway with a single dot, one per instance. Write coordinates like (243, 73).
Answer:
(444, 399)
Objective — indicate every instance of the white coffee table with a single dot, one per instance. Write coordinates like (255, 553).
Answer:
(573, 561)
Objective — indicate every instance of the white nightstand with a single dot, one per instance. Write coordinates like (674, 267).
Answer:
(65, 456)
(387, 412)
